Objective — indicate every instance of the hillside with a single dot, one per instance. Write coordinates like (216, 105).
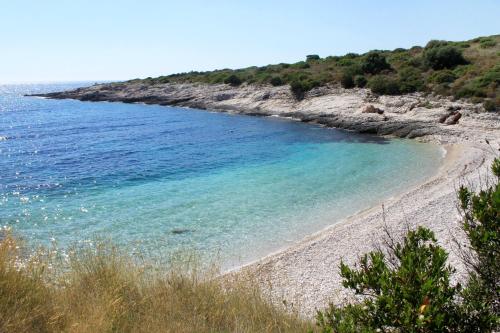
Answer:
(468, 69)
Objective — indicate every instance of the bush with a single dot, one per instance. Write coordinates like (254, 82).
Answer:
(374, 63)
(441, 57)
(407, 290)
(276, 81)
(410, 80)
(312, 57)
(443, 76)
(299, 89)
(383, 85)
(360, 81)
(489, 105)
(233, 80)
(436, 43)
(351, 55)
(490, 77)
(481, 223)
(486, 43)
(301, 65)
(470, 90)
(345, 62)
(347, 80)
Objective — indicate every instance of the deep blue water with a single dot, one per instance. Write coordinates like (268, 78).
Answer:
(162, 179)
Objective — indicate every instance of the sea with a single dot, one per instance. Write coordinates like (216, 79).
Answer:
(159, 181)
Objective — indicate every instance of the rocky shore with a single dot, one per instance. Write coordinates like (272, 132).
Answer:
(306, 274)
(411, 116)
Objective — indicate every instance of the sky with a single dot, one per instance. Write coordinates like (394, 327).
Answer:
(76, 40)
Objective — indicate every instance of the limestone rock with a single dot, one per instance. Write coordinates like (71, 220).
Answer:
(371, 109)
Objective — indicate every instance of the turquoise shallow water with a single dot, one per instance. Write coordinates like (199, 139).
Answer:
(162, 179)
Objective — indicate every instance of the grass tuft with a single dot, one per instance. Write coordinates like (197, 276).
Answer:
(103, 290)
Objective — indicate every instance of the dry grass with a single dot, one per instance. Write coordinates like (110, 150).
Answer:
(101, 290)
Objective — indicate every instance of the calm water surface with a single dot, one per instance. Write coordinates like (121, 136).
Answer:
(162, 179)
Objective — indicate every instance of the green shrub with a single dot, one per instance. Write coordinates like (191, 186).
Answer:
(345, 62)
(347, 80)
(348, 74)
(360, 81)
(486, 43)
(312, 57)
(470, 90)
(233, 80)
(299, 89)
(410, 80)
(416, 62)
(440, 57)
(490, 77)
(383, 85)
(351, 55)
(406, 290)
(301, 65)
(435, 44)
(276, 81)
(463, 45)
(489, 105)
(481, 223)
(374, 63)
(443, 76)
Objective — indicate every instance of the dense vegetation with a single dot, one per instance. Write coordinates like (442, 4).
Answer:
(468, 69)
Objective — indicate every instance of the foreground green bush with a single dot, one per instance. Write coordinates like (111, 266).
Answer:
(481, 212)
(407, 290)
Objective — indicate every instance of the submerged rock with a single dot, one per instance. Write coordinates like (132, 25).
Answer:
(179, 231)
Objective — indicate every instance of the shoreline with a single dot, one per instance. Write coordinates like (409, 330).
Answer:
(448, 150)
(305, 274)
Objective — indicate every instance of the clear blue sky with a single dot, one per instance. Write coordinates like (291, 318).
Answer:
(107, 40)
